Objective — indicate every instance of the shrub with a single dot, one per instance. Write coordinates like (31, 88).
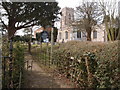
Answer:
(103, 63)
(88, 64)
(17, 66)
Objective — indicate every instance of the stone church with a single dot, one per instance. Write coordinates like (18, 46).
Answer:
(68, 32)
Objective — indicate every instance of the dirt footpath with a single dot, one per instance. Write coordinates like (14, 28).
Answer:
(38, 78)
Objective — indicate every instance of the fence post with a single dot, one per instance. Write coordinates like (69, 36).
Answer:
(31, 64)
(20, 78)
(51, 46)
(27, 64)
(87, 62)
(4, 72)
(10, 65)
(47, 55)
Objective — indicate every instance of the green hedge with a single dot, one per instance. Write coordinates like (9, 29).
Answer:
(102, 68)
(17, 66)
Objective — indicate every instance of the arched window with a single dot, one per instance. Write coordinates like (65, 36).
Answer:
(60, 35)
(66, 35)
(78, 34)
(69, 17)
(94, 34)
(72, 17)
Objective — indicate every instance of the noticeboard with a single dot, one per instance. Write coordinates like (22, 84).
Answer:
(45, 36)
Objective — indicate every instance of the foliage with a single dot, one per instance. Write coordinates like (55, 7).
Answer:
(38, 35)
(24, 38)
(103, 63)
(26, 14)
(17, 66)
(76, 68)
(55, 33)
(17, 38)
(88, 64)
(5, 46)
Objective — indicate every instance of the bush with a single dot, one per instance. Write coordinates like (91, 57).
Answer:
(88, 64)
(102, 59)
(17, 66)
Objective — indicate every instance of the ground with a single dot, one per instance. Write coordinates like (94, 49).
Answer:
(39, 78)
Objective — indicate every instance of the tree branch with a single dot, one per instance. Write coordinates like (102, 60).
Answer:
(25, 26)
(4, 24)
(5, 7)
(28, 22)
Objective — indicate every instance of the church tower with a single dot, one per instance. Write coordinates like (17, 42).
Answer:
(64, 34)
(67, 17)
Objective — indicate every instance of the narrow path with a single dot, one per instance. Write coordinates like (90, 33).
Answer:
(38, 78)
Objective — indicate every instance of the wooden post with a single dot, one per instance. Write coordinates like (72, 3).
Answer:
(10, 65)
(47, 59)
(88, 71)
(41, 53)
(20, 77)
(30, 39)
(31, 64)
(27, 64)
(51, 45)
(4, 72)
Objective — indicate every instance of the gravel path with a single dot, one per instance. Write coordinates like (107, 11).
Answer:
(38, 78)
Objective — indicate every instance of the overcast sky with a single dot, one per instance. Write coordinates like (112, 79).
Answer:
(68, 3)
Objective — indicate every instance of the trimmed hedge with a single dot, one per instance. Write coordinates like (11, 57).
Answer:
(89, 64)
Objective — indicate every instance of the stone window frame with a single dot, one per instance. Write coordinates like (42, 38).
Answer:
(66, 34)
(79, 34)
(94, 34)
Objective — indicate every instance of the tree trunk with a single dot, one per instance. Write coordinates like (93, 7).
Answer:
(89, 35)
(11, 33)
(29, 42)
(29, 47)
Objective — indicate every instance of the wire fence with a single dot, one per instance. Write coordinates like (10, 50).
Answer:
(12, 65)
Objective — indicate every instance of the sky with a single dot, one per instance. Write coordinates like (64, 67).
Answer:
(68, 3)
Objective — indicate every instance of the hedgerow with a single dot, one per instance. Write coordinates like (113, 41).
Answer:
(89, 64)
(17, 66)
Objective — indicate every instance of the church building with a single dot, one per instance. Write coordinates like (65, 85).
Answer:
(68, 32)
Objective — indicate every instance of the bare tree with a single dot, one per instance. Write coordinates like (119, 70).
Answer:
(88, 14)
(109, 9)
